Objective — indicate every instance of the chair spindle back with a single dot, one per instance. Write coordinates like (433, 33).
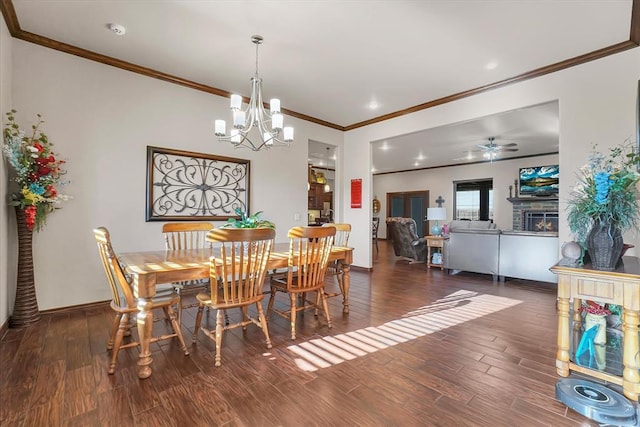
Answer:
(244, 253)
(120, 289)
(188, 235)
(309, 250)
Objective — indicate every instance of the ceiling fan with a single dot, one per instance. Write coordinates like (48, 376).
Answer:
(492, 149)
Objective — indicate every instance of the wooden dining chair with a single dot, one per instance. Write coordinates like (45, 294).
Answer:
(239, 271)
(187, 235)
(124, 303)
(375, 224)
(309, 250)
(334, 269)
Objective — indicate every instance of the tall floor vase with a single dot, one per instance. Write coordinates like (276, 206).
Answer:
(604, 244)
(25, 307)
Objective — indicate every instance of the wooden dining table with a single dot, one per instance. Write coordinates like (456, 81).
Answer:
(151, 268)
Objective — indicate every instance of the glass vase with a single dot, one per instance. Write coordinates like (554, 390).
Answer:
(594, 319)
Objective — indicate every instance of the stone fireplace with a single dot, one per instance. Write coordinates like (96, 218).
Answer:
(534, 220)
(535, 214)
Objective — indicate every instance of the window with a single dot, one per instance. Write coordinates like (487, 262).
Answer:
(474, 200)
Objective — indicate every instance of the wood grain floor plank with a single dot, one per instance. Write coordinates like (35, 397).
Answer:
(79, 392)
(418, 348)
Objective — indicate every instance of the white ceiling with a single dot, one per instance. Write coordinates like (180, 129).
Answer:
(331, 59)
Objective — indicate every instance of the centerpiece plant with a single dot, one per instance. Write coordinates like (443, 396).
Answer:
(604, 203)
(248, 221)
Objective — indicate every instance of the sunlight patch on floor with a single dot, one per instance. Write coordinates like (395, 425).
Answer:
(452, 310)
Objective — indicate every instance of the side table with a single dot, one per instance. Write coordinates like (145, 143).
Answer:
(436, 242)
(621, 287)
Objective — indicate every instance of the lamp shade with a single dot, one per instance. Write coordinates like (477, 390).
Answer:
(436, 214)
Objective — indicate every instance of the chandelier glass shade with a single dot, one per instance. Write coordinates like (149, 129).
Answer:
(269, 124)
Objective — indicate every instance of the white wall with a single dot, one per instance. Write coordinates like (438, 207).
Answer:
(101, 119)
(597, 105)
(439, 182)
(8, 265)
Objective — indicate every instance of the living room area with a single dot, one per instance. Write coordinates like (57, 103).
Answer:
(470, 186)
(419, 346)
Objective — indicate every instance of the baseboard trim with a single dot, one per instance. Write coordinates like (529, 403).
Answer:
(71, 308)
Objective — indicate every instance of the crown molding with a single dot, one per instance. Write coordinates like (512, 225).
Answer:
(9, 13)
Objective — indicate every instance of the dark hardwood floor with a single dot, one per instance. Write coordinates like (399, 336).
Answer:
(419, 348)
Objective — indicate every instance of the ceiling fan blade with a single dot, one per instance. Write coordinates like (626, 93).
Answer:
(510, 149)
(484, 146)
(511, 144)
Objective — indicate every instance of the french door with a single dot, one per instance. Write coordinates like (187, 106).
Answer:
(410, 204)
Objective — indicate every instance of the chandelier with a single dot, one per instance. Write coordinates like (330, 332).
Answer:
(268, 124)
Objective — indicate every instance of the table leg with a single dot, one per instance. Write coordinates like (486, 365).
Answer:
(145, 324)
(630, 373)
(345, 284)
(562, 356)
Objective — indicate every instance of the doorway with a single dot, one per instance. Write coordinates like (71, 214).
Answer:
(410, 204)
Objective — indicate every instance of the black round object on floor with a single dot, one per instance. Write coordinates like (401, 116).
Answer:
(596, 402)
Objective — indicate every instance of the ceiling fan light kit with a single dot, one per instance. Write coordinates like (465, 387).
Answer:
(492, 150)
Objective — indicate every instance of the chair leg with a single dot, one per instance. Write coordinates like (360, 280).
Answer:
(176, 328)
(315, 313)
(196, 328)
(245, 317)
(293, 315)
(325, 306)
(219, 328)
(114, 330)
(339, 275)
(271, 298)
(263, 324)
(179, 305)
(118, 342)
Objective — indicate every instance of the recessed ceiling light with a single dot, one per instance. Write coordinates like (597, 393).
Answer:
(491, 65)
(373, 105)
(420, 157)
(117, 29)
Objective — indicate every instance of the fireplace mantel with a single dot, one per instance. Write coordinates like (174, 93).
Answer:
(532, 199)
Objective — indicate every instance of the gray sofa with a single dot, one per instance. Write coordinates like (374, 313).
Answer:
(479, 247)
(472, 246)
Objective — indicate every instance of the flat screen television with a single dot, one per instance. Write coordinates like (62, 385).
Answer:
(539, 180)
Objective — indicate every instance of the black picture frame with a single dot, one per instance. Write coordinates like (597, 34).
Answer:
(189, 186)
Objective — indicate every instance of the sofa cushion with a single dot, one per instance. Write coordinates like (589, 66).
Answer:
(482, 225)
(457, 224)
(477, 231)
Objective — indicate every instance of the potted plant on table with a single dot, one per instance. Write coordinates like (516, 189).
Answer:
(248, 221)
(604, 204)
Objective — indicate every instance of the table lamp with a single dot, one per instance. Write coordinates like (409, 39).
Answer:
(436, 214)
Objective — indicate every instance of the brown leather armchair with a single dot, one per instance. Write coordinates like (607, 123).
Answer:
(405, 239)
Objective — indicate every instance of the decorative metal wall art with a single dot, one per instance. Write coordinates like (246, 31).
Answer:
(183, 186)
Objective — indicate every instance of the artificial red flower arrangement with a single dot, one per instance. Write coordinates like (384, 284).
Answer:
(593, 307)
(38, 172)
